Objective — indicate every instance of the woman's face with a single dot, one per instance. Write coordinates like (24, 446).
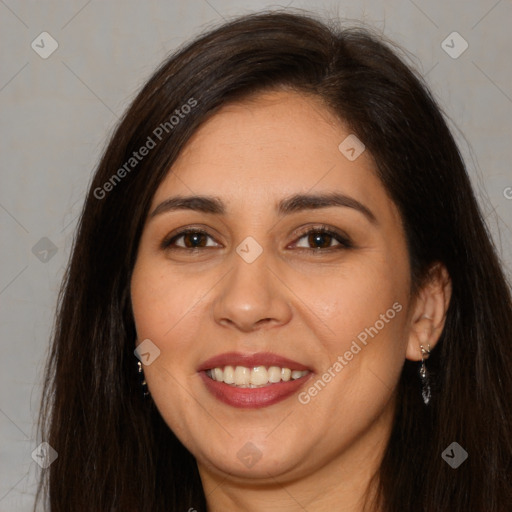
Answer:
(258, 286)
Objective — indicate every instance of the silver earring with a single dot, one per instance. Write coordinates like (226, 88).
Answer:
(143, 382)
(425, 390)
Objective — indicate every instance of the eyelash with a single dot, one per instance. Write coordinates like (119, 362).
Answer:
(344, 241)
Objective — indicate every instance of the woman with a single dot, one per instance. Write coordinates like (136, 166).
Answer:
(282, 294)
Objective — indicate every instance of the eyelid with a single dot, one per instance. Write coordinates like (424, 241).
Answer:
(344, 241)
(342, 238)
(166, 242)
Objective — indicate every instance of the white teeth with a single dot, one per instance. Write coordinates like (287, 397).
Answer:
(229, 375)
(242, 376)
(259, 376)
(255, 377)
(274, 374)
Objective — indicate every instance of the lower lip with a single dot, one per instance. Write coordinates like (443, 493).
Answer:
(253, 398)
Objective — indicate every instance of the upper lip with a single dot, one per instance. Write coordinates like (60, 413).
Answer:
(250, 360)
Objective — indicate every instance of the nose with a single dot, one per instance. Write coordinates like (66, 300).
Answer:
(252, 296)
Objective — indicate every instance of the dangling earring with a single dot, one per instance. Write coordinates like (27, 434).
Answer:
(143, 381)
(425, 391)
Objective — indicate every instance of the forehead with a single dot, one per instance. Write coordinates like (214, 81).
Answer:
(268, 146)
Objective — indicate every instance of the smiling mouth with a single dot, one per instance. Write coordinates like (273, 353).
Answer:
(254, 377)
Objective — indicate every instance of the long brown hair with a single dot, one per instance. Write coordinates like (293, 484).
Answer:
(115, 452)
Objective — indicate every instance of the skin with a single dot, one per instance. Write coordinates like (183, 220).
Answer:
(307, 306)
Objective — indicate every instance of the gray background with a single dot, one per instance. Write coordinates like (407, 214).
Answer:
(56, 114)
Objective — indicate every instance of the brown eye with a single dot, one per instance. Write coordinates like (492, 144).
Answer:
(316, 239)
(192, 239)
(323, 237)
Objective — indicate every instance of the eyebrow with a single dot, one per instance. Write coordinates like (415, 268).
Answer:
(292, 204)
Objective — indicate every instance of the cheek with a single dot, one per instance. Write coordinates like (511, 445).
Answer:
(165, 310)
(161, 300)
(355, 298)
(360, 320)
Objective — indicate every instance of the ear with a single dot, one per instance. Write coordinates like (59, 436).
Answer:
(429, 312)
